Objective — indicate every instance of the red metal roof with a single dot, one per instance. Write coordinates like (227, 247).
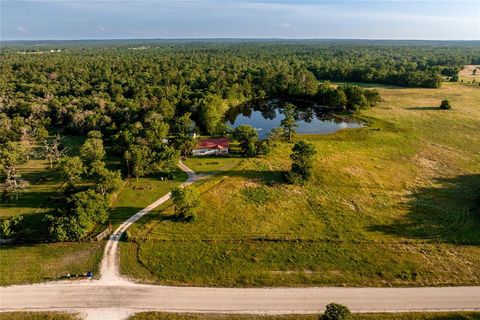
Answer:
(213, 143)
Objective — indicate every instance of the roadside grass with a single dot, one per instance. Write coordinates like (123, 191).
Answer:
(38, 316)
(25, 263)
(391, 204)
(356, 316)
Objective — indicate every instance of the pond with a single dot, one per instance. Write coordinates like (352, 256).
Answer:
(266, 115)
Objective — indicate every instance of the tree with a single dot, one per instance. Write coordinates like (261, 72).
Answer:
(338, 99)
(71, 169)
(289, 123)
(276, 134)
(155, 128)
(248, 137)
(82, 212)
(445, 105)
(212, 109)
(137, 160)
(355, 97)
(335, 311)
(52, 150)
(163, 158)
(302, 162)
(92, 149)
(185, 201)
(106, 181)
(12, 155)
(89, 207)
(184, 129)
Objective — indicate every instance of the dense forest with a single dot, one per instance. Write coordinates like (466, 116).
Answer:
(146, 101)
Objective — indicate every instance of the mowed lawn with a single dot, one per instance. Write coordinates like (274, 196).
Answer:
(27, 263)
(391, 204)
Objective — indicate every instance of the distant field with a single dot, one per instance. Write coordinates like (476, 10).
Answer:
(466, 74)
(368, 316)
(391, 204)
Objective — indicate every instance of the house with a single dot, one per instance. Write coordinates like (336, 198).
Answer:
(211, 147)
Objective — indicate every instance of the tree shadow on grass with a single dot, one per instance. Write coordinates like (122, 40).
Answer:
(424, 108)
(448, 212)
(268, 177)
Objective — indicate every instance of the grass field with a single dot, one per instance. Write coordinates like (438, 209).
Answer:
(137, 194)
(44, 262)
(466, 74)
(391, 204)
(37, 316)
(371, 316)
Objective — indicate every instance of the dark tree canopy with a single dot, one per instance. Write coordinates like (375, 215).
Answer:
(302, 162)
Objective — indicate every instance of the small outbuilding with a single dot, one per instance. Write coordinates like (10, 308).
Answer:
(211, 147)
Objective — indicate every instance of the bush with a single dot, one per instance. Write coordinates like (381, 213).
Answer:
(9, 227)
(335, 311)
(445, 105)
(264, 147)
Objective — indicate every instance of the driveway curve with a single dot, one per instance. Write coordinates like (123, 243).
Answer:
(109, 267)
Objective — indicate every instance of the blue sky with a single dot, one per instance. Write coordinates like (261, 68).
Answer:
(107, 19)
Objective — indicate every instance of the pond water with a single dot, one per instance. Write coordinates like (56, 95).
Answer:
(264, 116)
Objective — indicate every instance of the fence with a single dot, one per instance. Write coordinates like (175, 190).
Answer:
(102, 235)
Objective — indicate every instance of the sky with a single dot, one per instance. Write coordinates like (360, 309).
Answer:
(126, 19)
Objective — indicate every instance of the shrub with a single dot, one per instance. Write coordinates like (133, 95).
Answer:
(445, 105)
(264, 147)
(9, 227)
(335, 311)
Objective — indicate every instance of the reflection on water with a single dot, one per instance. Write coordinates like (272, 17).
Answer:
(266, 115)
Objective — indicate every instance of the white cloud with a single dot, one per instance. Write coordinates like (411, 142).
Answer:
(283, 25)
(23, 30)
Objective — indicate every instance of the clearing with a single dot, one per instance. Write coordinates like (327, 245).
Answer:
(392, 204)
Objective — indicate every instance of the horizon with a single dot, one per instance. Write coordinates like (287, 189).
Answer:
(50, 20)
(241, 39)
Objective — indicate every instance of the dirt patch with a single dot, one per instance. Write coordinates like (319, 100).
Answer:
(467, 73)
